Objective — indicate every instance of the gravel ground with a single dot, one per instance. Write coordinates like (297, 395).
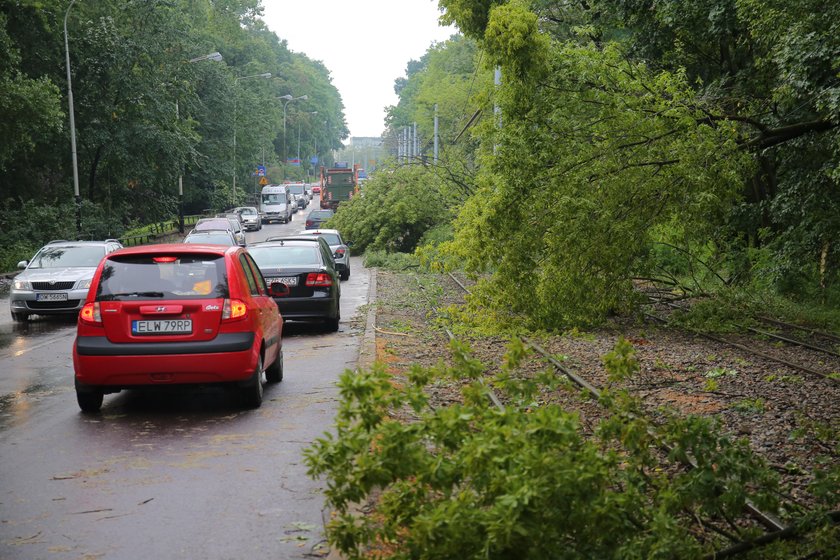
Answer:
(790, 417)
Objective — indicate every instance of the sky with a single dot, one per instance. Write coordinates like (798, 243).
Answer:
(365, 44)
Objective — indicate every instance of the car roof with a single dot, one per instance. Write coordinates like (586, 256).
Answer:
(284, 238)
(66, 243)
(182, 248)
(211, 232)
(317, 231)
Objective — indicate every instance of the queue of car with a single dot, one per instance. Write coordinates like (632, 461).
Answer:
(208, 310)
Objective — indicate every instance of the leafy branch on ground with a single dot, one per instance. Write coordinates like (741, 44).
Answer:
(469, 480)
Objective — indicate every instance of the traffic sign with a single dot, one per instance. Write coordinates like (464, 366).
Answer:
(263, 181)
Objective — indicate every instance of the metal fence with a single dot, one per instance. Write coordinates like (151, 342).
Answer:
(157, 230)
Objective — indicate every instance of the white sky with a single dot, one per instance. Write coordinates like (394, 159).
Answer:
(365, 44)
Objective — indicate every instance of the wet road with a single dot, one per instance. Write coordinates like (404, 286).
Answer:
(181, 474)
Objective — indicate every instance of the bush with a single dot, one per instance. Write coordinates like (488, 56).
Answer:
(396, 208)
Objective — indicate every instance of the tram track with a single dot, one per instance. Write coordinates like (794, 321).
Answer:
(830, 376)
(771, 522)
(724, 398)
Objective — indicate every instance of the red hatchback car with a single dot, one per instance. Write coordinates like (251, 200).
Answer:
(178, 314)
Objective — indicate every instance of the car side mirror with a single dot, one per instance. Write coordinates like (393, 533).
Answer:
(279, 289)
(22, 264)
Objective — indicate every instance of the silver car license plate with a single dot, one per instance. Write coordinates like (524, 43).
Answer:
(162, 326)
(51, 297)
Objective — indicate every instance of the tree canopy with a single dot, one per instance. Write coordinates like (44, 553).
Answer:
(632, 135)
(149, 106)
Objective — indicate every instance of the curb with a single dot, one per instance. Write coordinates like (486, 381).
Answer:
(367, 352)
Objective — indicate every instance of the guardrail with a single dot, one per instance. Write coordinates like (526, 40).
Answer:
(158, 229)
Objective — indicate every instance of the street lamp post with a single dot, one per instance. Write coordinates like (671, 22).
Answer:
(287, 99)
(217, 57)
(72, 127)
(233, 182)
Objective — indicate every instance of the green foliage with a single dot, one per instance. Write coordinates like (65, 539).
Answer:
(587, 208)
(396, 209)
(390, 261)
(514, 42)
(621, 362)
(144, 115)
(635, 153)
(750, 406)
(469, 480)
(718, 372)
(29, 106)
(25, 229)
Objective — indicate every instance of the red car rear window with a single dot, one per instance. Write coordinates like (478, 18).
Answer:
(152, 277)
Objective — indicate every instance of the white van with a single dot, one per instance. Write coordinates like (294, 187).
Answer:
(276, 204)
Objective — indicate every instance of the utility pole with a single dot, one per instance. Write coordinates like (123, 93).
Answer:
(76, 194)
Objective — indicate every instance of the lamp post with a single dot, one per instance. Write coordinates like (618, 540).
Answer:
(265, 75)
(287, 99)
(72, 127)
(217, 57)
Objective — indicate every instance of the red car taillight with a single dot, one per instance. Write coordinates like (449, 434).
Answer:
(90, 314)
(234, 310)
(309, 223)
(339, 253)
(318, 279)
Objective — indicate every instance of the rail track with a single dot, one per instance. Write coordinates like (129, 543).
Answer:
(751, 349)
(776, 529)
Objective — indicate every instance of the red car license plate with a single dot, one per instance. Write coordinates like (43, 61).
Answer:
(162, 326)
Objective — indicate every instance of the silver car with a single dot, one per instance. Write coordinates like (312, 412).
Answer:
(340, 249)
(212, 237)
(222, 222)
(250, 218)
(56, 280)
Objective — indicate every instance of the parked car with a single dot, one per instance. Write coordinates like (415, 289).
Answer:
(177, 314)
(306, 266)
(339, 249)
(222, 222)
(249, 216)
(318, 217)
(56, 280)
(212, 237)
